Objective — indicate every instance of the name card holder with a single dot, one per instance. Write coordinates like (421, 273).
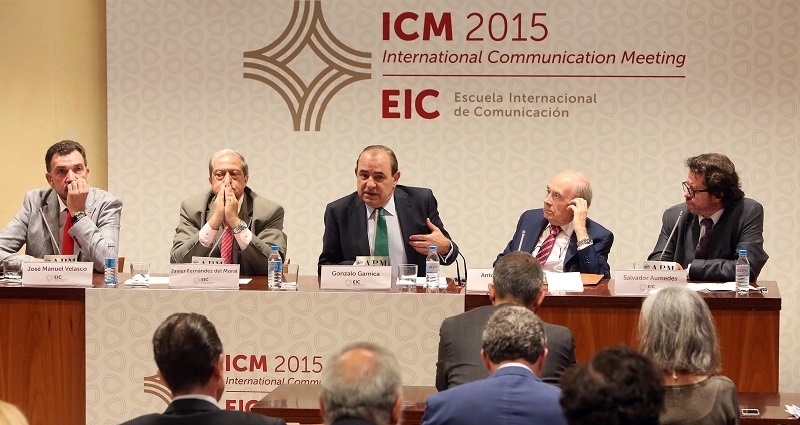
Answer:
(207, 260)
(479, 280)
(643, 282)
(57, 274)
(355, 278)
(72, 258)
(204, 276)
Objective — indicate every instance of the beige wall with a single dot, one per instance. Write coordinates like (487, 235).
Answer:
(52, 87)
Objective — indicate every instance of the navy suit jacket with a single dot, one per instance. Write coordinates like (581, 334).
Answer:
(459, 360)
(346, 236)
(194, 411)
(510, 396)
(592, 259)
(741, 226)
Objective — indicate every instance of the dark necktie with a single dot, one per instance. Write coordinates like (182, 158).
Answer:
(381, 235)
(547, 245)
(704, 244)
(226, 246)
(67, 243)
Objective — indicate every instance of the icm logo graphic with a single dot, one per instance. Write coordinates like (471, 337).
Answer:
(307, 29)
(155, 386)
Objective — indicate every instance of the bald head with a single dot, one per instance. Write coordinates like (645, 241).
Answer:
(362, 381)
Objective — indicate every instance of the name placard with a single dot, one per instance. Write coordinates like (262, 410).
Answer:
(57, 274)
(207, 260)
(479, 279)
(643, 282)
(355, 278)
(656, 265)
(72, 258)
(204, 276)
(372, 261)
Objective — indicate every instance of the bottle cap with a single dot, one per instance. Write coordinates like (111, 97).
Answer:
(433, 247)
(742, 252)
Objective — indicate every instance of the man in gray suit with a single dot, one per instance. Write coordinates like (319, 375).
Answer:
(68, 218)
(517, 280)
(230, 220)
(713, 223)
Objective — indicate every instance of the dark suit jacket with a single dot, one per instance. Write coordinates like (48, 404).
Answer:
(346, 236)
(740, 227)
(510, 396)
(460, 344)
(592, 259)
(192, 411)
(352, 421)
(92, 234)
(265, 219)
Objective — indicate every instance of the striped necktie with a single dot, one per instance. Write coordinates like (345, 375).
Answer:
(547, 245)
(226, 246)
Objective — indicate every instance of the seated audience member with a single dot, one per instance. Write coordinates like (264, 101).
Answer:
(384, 219)
(69, 218)
(189, 357)
(517, 281)
(677, 332)
(361, 385)
(514, 352)
(717, 222)
(617, 387)
(250, 224)
(11, 415)
(560, 235)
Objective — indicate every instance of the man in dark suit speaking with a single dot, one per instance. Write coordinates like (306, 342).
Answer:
(716, 221)
(517, 280)
(383, 218)
(188, 353)
(560, 235)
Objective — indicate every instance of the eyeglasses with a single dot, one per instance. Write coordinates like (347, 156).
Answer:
(692, 192)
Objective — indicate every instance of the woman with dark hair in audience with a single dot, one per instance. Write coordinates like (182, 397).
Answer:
(676, 331)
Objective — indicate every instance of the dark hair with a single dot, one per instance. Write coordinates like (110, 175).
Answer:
(64, 147)
(618, 386)
(392, 157)
(518, 275)
(186, 349)
(720, 175)
(513, 333)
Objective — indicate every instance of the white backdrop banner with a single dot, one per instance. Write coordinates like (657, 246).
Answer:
(482, 102)
(269, 338)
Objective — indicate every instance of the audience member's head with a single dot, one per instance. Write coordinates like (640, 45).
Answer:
(11, 415)
(514, 334)
(188, 353)
(717, 172)
(676, 331)
(617, 387)
(362, 381)
(517, 279)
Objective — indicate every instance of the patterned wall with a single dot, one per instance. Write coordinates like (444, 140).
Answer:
(176, 94)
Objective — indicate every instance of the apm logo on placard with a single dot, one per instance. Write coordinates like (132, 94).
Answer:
(155, 386)
(272, 65)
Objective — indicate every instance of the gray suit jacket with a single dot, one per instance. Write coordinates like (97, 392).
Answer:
(740, 227)
(41, 210)
(460, 349)
(264, 219)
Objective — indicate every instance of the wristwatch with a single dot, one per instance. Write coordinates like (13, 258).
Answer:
(77, 217)
(238, 229)
(585, 241)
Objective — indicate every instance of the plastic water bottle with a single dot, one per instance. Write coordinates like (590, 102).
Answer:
(742, 273)
(111, 264)
(275, 268)
(432, 268)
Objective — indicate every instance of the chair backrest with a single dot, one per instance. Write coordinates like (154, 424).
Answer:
(121, 264)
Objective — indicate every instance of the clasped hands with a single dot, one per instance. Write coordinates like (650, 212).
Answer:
(226, 207)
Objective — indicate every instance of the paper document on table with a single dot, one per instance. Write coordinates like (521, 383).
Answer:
(724, 286)
(793, 410)
(564, 282)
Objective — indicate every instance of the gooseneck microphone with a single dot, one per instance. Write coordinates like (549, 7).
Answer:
(52, 238)
(680, 215)
(521, 238)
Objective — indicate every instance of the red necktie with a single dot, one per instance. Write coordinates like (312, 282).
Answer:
(547, 245)
(226, 247)
(67, 243)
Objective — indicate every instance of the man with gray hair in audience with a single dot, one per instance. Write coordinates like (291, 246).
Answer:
(513, 352)
(361, 385)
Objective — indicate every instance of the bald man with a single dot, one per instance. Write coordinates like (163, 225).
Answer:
(560, 235)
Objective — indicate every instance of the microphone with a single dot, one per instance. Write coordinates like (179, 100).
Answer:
(52, 238)
(460, 282)
(680, 215)
(521, 238)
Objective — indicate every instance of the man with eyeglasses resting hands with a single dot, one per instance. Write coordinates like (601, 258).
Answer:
(230, 221)
(715, 222)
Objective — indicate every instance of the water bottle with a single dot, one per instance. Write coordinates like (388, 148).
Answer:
(275, 268)
(432, 268)
(111, 264)
(742, 273)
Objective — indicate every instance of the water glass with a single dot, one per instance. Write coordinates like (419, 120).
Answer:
(407, 277)
(12, 271)
(140, 273)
